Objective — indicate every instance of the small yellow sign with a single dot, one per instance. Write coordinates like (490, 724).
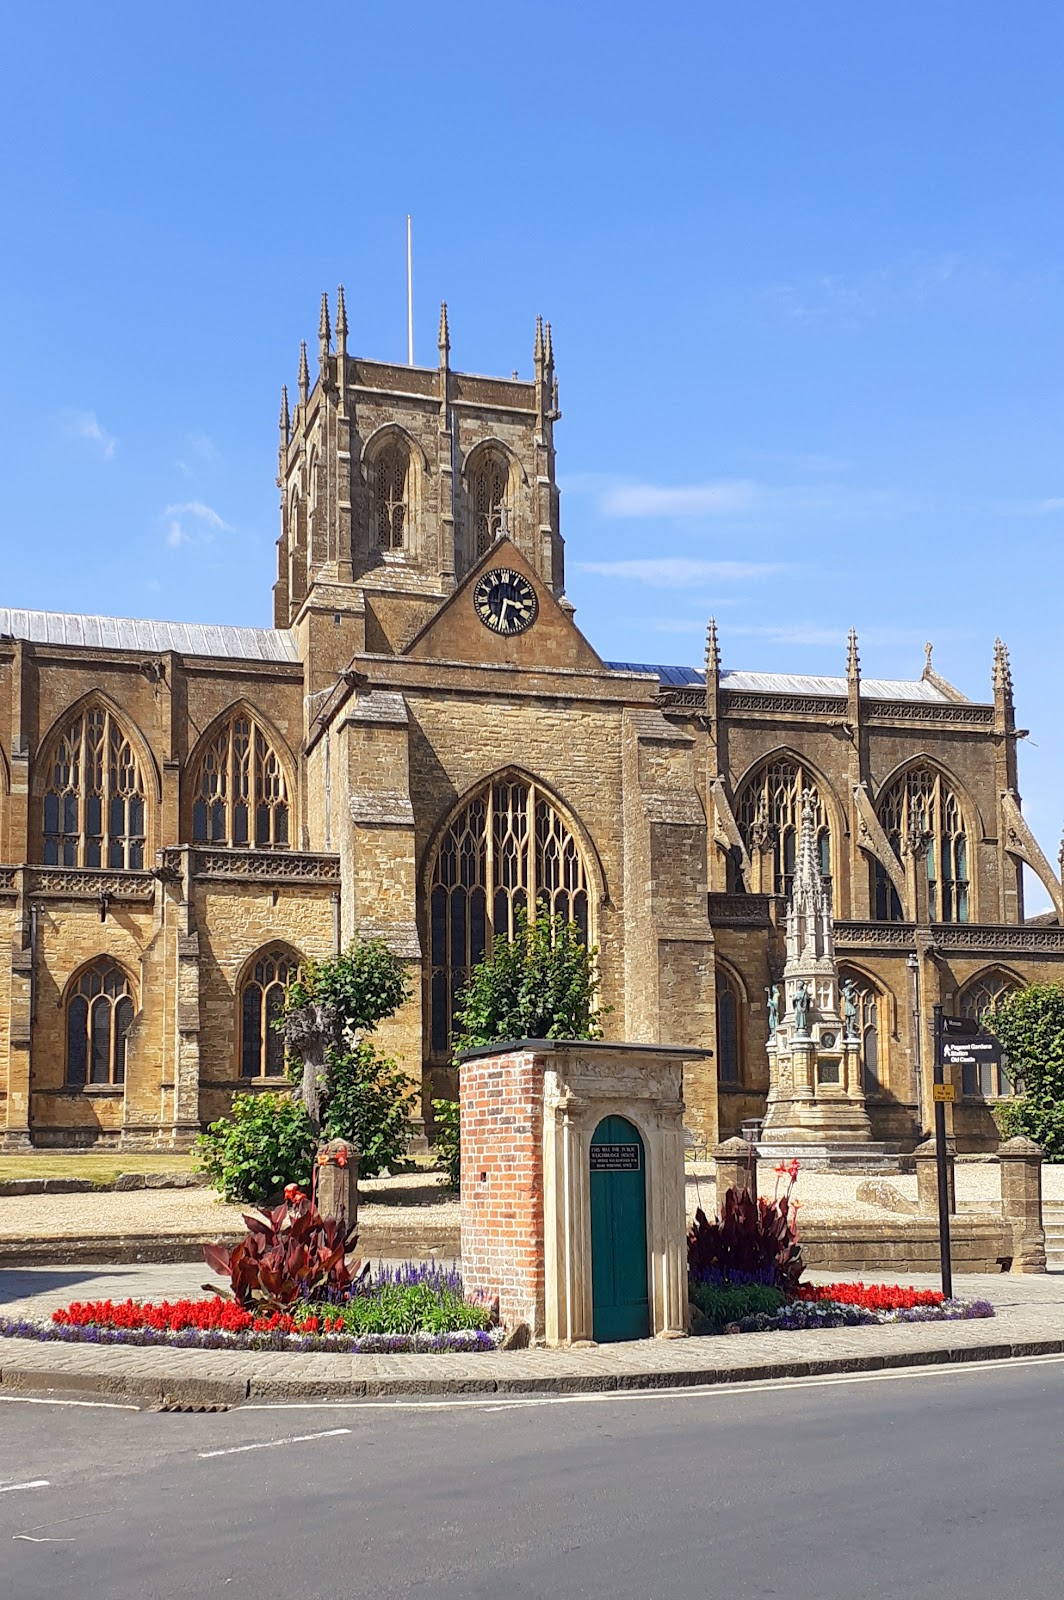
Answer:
(943, 1091)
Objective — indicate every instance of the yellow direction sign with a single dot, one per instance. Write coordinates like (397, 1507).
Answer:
(943, 1091)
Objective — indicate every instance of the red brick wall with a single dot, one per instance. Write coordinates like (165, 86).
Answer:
(501, 1101)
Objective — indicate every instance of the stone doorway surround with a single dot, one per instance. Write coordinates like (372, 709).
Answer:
(528, 1113)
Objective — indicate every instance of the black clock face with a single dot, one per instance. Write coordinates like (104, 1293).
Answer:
(505, 601)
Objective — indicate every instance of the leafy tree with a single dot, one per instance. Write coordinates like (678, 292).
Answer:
(371, 1101)
(1030, 1025)
(541, 984)
(266, 1143)
(447, 1141)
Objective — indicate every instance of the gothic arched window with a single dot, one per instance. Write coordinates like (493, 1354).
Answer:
(770, 815)
(391, 510)
(981, 995)
(261, 1005)
(729, 1057)
(94, 811)
(488, 491)
(99, 1012)
(239, 793)
(921, 802)
(869, 1001)
(507, 849)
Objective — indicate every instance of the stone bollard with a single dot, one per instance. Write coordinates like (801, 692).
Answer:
(337, 1188)
(1021, 1202)
(927, 1177)
(736, 1163)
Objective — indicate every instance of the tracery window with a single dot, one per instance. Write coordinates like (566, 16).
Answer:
(261, 1004)
(94, 801)
(921, 802)
(728, 1010)
(868, 1006)
(770, 812)
(488, 490)
(989, 1079)
(240, 796)
(391, 489)
(507, 849)
(99, 1014)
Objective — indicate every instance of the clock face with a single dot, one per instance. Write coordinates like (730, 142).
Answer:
(505, 601)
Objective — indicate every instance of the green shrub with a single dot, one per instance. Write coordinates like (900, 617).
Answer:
(407, 1308)
(370, 1102)
(447, 1142)
(1030, 1025)
(266, 1143)
(541, 984)
(721, 1304)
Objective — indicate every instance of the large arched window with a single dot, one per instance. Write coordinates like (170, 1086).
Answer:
(239, 792)
(508, 848)
(770, 815)
(869, 1004)
(99, 1012)
(921, 802)
(94, 811)
(488, 495)
(729, 1009)
(391, 495)
(982, 994)
(261, 1004)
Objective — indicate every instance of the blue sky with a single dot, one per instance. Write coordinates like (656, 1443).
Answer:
(803, 265)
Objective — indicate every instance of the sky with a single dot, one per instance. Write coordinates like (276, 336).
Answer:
(803, 266)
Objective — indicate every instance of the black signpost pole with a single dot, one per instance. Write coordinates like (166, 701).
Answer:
(940, 1164)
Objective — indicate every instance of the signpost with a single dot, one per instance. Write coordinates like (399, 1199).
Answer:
(959, 1042)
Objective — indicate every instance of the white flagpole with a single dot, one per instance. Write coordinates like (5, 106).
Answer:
(409, 296)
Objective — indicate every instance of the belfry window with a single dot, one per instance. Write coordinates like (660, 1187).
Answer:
(391, 492)
(261, 1005)
(507, 849)
(921, 802)
(240, 796)
(94, 800)
(99, 1013)
(488, 491)
(770, 818)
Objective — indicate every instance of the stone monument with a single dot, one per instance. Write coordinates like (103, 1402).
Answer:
(816, 1106)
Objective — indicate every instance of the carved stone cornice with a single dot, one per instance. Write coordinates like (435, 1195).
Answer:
(888, 935)
(681, 699)
(89, 883)
(740, 910)
(968, 715)
(739, 701)
(265, 866)
(1001, 939)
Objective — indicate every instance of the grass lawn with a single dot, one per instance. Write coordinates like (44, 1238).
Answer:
(99, 1167)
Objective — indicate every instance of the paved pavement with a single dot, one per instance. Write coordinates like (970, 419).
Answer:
(1029, 1320)
(942, 1483)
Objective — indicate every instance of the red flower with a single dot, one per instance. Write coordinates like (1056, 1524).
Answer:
(341, 1156)
(293, 1194)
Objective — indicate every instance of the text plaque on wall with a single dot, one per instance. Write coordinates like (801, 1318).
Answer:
(615, 1158)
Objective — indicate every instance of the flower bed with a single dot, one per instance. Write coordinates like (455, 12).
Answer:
(409, 1308)
(872, 1297)
(802, 1315)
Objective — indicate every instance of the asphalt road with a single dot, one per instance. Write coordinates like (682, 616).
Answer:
(921, 1484)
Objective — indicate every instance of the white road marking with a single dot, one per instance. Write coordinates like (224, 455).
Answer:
(720, 1391)
(31, 1483)
(271, 1444)
(94, 1405)
(31, 1540)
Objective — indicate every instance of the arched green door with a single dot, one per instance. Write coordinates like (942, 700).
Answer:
(620, 1297)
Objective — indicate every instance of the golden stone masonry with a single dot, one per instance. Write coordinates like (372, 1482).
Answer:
(423, 743)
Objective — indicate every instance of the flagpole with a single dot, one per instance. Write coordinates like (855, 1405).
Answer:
(409, 295)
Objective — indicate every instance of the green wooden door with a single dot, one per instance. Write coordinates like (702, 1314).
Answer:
(620, 1298)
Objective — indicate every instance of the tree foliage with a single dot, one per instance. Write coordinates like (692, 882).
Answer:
(541, 984)
(1030, 1025)
(265, 1144)
(370, 1102)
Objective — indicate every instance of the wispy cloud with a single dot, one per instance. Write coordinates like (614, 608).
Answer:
(192, 522)
(202, 448)
(691, 503)
(675, 572)
(87, 426)
(850, 298)
(685, 500)
(1056, 503)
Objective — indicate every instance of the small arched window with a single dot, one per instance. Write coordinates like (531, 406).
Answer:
(729, 1060)
(261, 1005)
(93, 814)
(770, 816)
(922, 802)
(868, 1028)
(391, 508)
(239, 793)
(989, 1079)
(99, 1013)
(488, 493)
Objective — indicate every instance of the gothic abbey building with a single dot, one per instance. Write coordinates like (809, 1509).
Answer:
(423, 743)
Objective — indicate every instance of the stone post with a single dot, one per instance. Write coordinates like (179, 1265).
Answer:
(736, 1162)
(1021, 1202)
(927, 1177)
(337, 1190)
